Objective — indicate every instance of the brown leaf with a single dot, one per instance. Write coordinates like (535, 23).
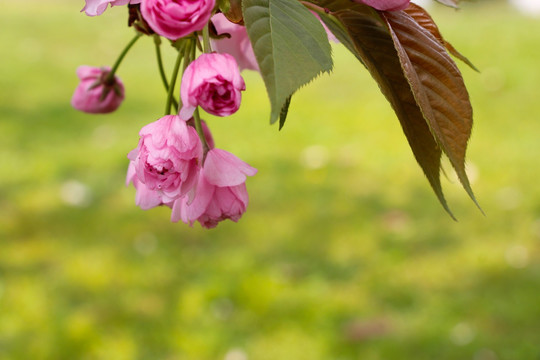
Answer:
(437, 86)
(374, 45)
(422, 18)
(235, 12)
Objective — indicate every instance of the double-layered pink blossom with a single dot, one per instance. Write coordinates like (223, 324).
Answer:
(97, 7)
(221, 191)
(174, 19)
(214, 83)
(97, 92)
(167, 158)
(237, 45)
(385, 5)
(144, 197)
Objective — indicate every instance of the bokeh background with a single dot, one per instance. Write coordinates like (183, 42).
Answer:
(344, 252)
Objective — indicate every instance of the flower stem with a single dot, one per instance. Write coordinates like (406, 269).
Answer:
(198, 127)
(206, 39)
(110, 76)
(186, 50)
(187, 54)
(157, 43)
(173, 82)
(191, 52)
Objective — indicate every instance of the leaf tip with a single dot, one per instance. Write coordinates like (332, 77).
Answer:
(443, 202)
(473, 198)
(467, 186)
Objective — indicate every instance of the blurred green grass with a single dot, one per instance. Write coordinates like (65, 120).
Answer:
(344, 252)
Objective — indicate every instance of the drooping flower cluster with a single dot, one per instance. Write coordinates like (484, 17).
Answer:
(168, 167)
(176, 164)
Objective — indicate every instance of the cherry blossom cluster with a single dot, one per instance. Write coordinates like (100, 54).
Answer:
(176, 163)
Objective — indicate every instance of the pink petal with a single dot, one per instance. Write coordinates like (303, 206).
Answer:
(190, 212)
(221, 168)
(95, 7)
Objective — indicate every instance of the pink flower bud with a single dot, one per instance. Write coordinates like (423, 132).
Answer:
(96, 93)
(238, 45)
(167, 158)
(174, 19)
(213, 82)
(385, 5)
(221, 191)
(97, 7)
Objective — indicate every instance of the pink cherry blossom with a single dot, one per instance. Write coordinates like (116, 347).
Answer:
(214, 83)
(221, 168)
(174, 19)
(221, 191)
(97, 7)
(386, 5)
(144, 197)
(96, 93)
(167, 158)
(238, 45)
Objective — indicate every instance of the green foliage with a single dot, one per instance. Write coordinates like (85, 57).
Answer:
(374, 45)
(290, 44)
(407, 56)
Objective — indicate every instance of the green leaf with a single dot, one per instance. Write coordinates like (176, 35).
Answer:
(437, 86)
(374, 45)
(290, 45)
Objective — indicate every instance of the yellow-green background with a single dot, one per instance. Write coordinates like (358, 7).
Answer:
(344, 252)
